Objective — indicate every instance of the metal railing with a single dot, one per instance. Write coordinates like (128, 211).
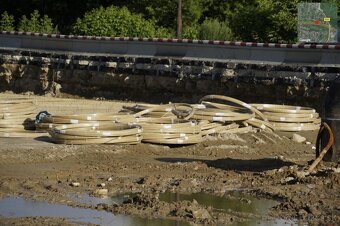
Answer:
(312, 55)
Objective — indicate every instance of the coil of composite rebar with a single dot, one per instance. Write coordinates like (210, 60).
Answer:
(234, 115)
(51, 121)
(150, 110)
(169, 125)
(171, 131)
(173, 123)
(290, 118)
(16, 116)
(96, 133)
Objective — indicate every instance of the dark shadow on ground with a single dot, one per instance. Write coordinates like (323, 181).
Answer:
(46, 139)
(251, 165)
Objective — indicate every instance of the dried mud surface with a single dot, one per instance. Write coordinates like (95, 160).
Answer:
(265, 165)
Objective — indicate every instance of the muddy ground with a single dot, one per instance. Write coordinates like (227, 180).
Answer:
(263, 164)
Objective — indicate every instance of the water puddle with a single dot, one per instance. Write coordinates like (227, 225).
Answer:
(234, 201)
(18, 207)
(109, 200)
(231, 202)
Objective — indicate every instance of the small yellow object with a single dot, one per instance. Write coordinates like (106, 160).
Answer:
(326, 19)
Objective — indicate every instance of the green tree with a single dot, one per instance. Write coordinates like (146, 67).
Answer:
(7, 22)
(190, 32)
(164, 12)
(114, 21)
(36, 23)
(212, 29)
(265, 21)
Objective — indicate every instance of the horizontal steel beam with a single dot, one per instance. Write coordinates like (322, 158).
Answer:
(183, 49)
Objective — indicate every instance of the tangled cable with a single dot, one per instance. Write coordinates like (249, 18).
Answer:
(16, 118)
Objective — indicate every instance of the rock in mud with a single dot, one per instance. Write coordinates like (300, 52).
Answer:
(75, 184)
(101, 185)
(28, 185)
(201, 214)
(302, 213)
(301, 174)
(298, 138)
(102, 191)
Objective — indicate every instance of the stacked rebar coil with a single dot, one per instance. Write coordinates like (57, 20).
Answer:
(290, 118)
(178, 123)
(51, 121)
(16, 117)
(171, 131)
(231, 116)
(96, 133)
(167, 124)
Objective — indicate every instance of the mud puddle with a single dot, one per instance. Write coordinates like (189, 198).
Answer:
(85, 198)
(233, 202)
(12, 207)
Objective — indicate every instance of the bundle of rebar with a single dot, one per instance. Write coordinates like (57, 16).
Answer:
(178, 123)
(52, 121)
(290, 118)
(96, 133)
(16, 117)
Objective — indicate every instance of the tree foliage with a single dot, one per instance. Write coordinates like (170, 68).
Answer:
(213, 29)
(36, 23)
(248, 20)
(7, 22)
(114, 21)
(265, 21)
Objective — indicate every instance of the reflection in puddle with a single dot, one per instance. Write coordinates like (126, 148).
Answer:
(231, 202)
(18, 207)
(92, 200)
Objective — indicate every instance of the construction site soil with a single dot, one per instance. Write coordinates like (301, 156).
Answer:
(265, 165)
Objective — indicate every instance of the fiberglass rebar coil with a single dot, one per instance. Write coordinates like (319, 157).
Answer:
(169, 126)
(232, 111)
(171, 131)
(178, 123)
(96, 133)
(290, 118)
(16, 116)
(51, 121)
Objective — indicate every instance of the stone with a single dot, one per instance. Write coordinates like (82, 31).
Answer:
(298, 138)
(287, 179)
(101, 191)
(201, 214)
(302, 212)
(75, 184)
(336, 170)
(302, 174)
(313, 210)
(28, 185)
